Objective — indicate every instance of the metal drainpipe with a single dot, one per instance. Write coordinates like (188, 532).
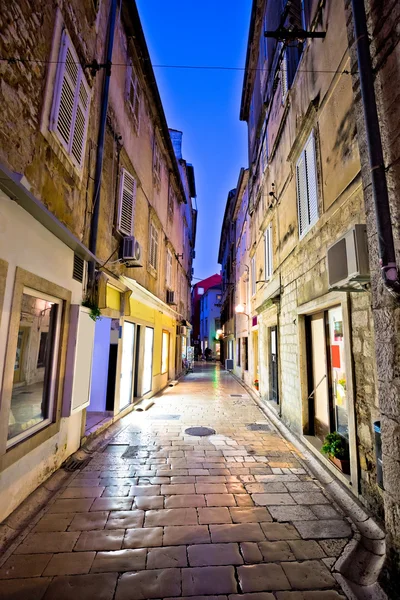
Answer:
(387, 254)
(101, 138)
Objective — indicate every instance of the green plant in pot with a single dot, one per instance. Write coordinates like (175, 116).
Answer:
(335, 446)
(95, 312)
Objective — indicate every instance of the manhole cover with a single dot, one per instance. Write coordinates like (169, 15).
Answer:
(236, 395)
(200, 431)
(166, 417)
(258, 427)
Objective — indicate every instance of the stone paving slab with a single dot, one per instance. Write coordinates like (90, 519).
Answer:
(158, 514)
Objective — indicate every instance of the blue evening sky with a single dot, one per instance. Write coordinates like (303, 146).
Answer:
(204, 104)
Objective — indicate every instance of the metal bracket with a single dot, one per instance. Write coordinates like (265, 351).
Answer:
(283, 34)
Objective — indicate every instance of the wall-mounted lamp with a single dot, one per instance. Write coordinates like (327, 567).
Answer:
(239, 310)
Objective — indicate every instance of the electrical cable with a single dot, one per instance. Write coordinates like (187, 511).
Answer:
(15, 60)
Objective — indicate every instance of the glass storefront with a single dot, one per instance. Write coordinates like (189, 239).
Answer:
(338, 370)
(165, 352)
(128, 344)
(147, 379)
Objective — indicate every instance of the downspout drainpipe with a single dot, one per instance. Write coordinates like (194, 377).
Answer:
(101, 138)
(387, 254)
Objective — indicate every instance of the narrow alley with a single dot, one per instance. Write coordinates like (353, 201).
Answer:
(160, 513)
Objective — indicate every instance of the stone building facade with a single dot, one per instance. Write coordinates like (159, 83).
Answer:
(311, 337)
(63, 374)
(382, 22)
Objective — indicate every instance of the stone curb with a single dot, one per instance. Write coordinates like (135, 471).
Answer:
(358, 567)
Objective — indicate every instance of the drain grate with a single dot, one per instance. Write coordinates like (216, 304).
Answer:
(166, 417)
(236, 395)
(258, 427)
(200, 431)
(73, 464)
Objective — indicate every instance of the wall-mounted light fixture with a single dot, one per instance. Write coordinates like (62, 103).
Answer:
(239, 310)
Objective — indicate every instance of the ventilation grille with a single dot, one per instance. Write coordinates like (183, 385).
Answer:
(79, 269)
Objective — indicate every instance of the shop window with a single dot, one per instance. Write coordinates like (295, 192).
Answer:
(128, 346)
(307, 188)
(126, 207)
(147, 380)
(35, 367)
(239, 352)
(165, 352)
(71, 102)
(246, 353)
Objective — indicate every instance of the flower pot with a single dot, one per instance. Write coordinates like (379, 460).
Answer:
(341, 463)
(256, 386)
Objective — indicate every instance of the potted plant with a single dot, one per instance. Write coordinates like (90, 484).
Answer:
(335, 446)
(95, 312)
(256, 384)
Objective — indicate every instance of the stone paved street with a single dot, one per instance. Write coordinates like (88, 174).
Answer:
(160, 514)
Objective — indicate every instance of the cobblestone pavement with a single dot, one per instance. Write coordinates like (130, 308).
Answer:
(161, 514)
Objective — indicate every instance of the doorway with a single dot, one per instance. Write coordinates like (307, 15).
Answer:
(328, 407)
(103, 377)
(273, 365)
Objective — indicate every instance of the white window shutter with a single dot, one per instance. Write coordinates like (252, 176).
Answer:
(62, 118)
(81, 121)
(169, 268)
(302, 200)
(284, 75)
(312, 186)
(127, 196)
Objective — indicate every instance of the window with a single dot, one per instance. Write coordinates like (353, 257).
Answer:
(171, 202)
(169, 269)
(41, 361)
(165, 352)
(306, 181)
(71, 102)
(128, 347)
(253, 275)
(239, 352)
(153, 253)
(133, 96)
(268, 252)
(156, 164)
(36, 358)
(127, 197)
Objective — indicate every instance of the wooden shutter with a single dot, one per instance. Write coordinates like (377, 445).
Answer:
(62, 120)
(81, 121)
(312, 187)
(169, 268)
(70, 112)
(302, 201)
(127, 196)
(153, 246)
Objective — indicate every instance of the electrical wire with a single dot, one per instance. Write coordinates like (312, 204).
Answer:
(15, 60)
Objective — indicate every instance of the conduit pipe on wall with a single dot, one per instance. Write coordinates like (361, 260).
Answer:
(387, 254)
(102, 133)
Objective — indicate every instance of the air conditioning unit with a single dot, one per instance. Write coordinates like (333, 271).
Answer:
(170, 297)
(181, 330)
(131, 251)
(348, 260)
(229, 364)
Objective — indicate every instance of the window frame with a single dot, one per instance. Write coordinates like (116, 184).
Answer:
(268, 257)
(303, 186)
(125, 175)
(157, 163)
(168, 269)
(132, 81)
(153, 246)
(253, 275)
(53, 376)
(66, 46)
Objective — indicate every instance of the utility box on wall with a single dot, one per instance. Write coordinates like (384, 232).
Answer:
(78, 368)
(229, 364)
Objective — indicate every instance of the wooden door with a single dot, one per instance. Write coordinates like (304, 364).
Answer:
(320, 392)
